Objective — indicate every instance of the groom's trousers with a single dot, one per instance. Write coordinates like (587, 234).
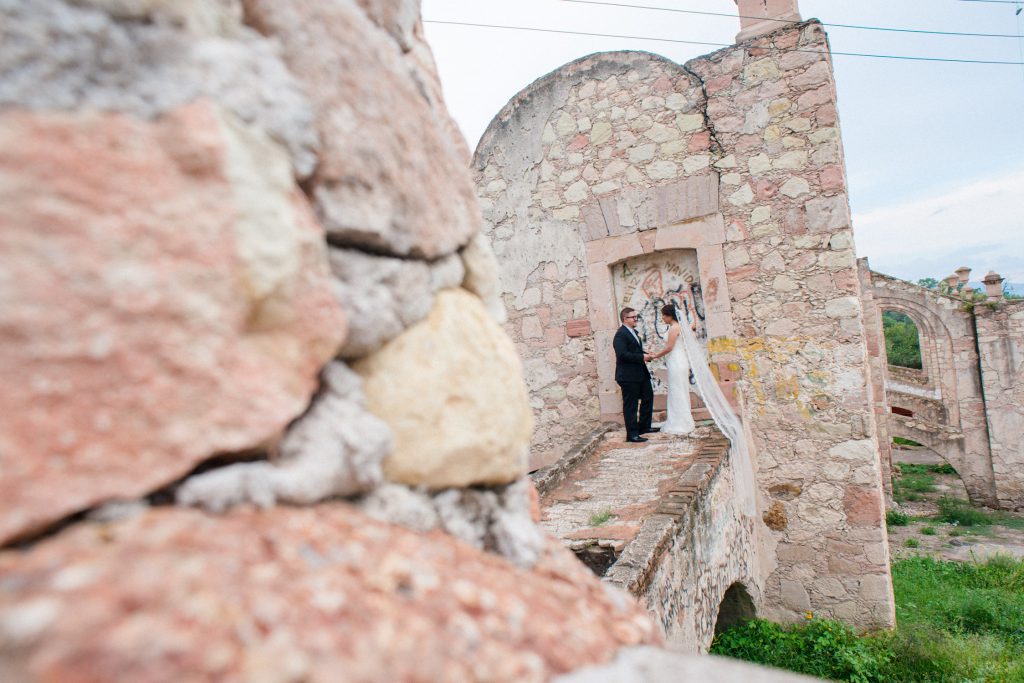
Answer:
(637, 397)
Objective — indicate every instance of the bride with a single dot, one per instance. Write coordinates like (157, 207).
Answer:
(680, 419)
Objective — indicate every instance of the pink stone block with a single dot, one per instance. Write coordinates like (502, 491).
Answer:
(577, 143)
(611, 250)
(699, 142)
(863, 506)
(578, 328)
(831, 178)
(137, 340)
(692, 234)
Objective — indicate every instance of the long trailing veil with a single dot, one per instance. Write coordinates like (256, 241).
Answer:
(721, 412)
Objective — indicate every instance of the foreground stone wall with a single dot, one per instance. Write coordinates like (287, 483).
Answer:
(736, 156)
(236, 240)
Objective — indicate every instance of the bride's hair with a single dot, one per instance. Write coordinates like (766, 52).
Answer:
(670, 311)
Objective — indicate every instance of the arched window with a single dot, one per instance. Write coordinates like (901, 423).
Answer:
(902, 342)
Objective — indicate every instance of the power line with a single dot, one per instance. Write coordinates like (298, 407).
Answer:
(697, 42)
(787, 21)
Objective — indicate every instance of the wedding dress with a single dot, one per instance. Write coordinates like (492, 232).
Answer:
(722, 413)
(680, 418)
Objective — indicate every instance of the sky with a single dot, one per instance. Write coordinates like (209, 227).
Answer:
(934, 150)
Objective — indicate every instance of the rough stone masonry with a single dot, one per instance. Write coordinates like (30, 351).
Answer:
(601, 181)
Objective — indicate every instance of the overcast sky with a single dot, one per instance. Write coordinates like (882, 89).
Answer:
(934, 151)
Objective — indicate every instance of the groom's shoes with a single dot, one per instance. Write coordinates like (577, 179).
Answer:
(652, 430)
(635, 439)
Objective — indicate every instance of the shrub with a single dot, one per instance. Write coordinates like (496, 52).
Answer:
(944, 468)
(828, 649)
(960, 512)
(896, 518)
(928, 530)
(911, 543)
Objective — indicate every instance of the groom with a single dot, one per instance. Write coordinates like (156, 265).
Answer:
(633, 377)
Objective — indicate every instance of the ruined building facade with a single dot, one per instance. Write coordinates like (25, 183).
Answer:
(627, 179)
(966, 402)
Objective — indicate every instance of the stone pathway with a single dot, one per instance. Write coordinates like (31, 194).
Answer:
(605, 499)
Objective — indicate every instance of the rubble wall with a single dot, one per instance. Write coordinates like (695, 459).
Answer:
(1001, 345)
(736, 155)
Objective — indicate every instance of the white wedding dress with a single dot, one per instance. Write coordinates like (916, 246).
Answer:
(680, 418)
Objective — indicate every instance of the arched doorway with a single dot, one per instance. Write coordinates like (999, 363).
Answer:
(736, 607)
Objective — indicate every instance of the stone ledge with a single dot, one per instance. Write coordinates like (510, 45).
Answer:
(547, 478)
(633, 569)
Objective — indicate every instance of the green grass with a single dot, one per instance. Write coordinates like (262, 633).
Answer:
(900, 441)
(911, 543)
(927, 530)
(958, 621)
(914, 480)
(896, 518)
(601, 517)
(960, 512)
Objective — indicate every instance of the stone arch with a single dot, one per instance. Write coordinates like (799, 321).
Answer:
(941, 405)
(736, 607)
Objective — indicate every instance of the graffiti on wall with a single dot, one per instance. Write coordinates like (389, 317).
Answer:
(649, 282)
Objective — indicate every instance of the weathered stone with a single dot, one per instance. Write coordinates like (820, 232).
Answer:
(409, 193)
(843, 307)
(651, 665)
(195, 326)
(381, 296)
(334, 449)
(794, 187)
(435, 385)
(149, 58)
(315, 593)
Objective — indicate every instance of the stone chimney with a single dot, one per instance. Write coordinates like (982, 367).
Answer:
(951, 282)
(963, 274)
(993, 285)
(756, 16)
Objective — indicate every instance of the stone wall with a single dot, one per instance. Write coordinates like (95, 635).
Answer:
(944, 399)
(737, 156)
(240, 269)
(1001, 346)
(691, 552)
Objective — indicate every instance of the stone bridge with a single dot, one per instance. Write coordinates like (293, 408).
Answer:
(661, 521)
(965, 402)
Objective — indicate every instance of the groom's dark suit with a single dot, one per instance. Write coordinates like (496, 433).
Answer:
(635, 381)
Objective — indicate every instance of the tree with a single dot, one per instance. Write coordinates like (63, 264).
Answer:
(902, 343)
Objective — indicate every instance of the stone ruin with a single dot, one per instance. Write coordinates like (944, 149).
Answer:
(966, 402)
(624, 178)
(262, 422)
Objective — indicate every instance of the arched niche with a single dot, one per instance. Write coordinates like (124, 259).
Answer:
(736, 607)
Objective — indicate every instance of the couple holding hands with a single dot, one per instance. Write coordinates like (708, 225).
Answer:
(634, 379)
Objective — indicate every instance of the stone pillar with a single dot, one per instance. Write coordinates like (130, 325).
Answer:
(993, 285)
(963, 274)
(764, 16)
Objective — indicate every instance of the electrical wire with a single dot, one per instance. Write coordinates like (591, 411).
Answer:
(788, 21)
(697, 42)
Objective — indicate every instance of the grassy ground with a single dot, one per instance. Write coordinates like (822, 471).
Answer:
(958, 622)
